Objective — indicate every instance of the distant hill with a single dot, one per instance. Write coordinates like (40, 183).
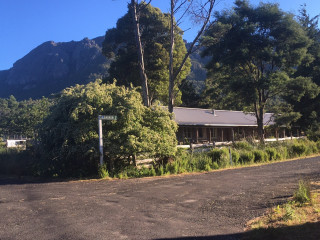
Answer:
(52, 66)
(198, 72)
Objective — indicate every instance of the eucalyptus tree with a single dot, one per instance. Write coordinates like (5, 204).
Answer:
(257, 49)
(200, 12)
(121, 42)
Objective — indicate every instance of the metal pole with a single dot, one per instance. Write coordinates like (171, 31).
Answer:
(100, 141)
(230, 155)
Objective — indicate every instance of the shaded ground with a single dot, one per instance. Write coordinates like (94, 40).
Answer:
(213, 205)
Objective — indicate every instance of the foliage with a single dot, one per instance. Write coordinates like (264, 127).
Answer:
(263, 45)
(22, 118)
(272, 153)
(119, 44)
(303, 193)
(102, 171)
(69, 135)
(246, 157)
(308, 105)
(260, 156)
(299, 149)
(243, 145)
(221, 156)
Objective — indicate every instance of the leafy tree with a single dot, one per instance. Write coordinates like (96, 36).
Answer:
(120, 44)
(309, 103)
(22, 118)
(69, 136)
(257, 50)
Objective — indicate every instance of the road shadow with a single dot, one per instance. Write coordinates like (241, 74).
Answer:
(310, 231)
(19, 180)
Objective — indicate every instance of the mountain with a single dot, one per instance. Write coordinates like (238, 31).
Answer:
(52, 66)
(198, 72)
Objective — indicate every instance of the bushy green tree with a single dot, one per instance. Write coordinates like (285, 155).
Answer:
(22, 118)
(308, 105)
(69, 137)
(120, 45)
(256, 49)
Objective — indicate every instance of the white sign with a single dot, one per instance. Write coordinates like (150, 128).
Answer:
(107, 117)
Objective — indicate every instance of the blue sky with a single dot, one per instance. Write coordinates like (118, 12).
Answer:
(25, 24)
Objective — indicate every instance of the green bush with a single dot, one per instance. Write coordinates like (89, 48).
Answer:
(299, 149)
(272, 153)
(221, 156)
(260, 156)
(69, 134)
(318, 146)
(235, 156)
(282, 153)
(312, 147)
(303, 193)
(243, 145)
(215, 165)
(246, 157)
(102, 171)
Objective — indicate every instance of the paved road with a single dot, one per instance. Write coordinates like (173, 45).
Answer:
(213, 205)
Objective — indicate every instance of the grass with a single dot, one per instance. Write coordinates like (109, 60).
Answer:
(296, 219)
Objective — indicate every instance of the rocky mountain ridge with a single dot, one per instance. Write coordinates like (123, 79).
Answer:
(53, 66)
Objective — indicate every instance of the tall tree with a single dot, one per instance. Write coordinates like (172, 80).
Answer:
(135, 11)
(120, 45)
(260, 47)
(200, 11)
(309, 104)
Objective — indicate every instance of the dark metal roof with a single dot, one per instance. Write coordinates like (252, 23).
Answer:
(209, 117)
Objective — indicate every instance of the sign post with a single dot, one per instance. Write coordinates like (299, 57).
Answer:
(100, 118)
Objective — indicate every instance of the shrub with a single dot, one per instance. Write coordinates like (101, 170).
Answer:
(215, 165)
(260, 156)
(311, 147)
(221, 156)
(298, 149)
(243, 145)
(102, 171)
(318, 145)
(282, 152)
(303, 193)
(272, 153)
(246, 157)
(235, 156)
(69, 134)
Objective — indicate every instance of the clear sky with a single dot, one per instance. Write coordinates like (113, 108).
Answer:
(25, 24)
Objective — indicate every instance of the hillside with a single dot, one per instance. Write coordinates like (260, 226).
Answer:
(52, 66)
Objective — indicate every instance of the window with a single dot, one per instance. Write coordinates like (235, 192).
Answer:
(187, 132)
(200, 133)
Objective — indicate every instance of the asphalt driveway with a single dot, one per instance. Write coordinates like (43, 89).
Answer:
(213, 205)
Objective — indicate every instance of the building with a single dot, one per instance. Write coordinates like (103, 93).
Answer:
(206, 126)
(17, 143)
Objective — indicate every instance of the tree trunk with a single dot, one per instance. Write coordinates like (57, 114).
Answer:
(171, 77)
(143, 75)
(260, 124)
